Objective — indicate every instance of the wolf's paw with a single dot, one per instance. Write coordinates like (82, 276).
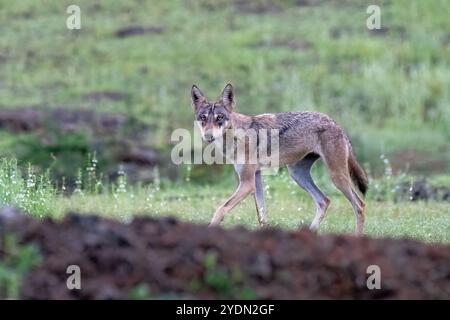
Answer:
(263, 224)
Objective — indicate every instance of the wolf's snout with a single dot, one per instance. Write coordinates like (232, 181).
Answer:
(209, 137)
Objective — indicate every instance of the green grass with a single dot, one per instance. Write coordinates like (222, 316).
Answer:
(33, 193)
(289, 207)
(427, 221)
(16, 261)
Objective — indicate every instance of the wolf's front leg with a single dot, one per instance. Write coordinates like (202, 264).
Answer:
(242, 191)
(246, 186)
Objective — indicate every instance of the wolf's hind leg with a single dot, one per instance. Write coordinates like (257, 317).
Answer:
(259, 199)
(343, 182)
(337, 163)
(301, 174)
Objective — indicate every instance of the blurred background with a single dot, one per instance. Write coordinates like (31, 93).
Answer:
(86, 118)
(121, 84)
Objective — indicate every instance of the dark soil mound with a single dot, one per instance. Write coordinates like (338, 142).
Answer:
(170, 258)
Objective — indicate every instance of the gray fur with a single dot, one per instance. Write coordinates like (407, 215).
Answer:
(303, 138)
(259, 199)
(301, 174)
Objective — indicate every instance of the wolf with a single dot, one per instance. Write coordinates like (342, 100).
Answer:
(303, 138)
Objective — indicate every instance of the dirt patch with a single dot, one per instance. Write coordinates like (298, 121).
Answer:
(176, 259)
(420, 161)
(270, 6)
(259, 7)
(340, 32)
(138, 31)
(25, 120)
(105, 95)
(292, 44)
(384, 31)
(36, 119)
(307, 3)
(117, 139)
(395, 31)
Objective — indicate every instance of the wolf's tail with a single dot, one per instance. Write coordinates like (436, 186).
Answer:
(357, 173)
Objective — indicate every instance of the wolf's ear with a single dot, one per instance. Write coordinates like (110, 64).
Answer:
(196, 96)
(227, 97)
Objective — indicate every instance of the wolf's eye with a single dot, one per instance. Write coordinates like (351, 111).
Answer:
(220, 117)
(203, 118)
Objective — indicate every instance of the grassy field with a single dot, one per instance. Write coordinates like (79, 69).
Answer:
(429, 222)
(389, 89)
(289, 206)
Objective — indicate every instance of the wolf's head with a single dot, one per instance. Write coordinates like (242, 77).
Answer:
(213, 117)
